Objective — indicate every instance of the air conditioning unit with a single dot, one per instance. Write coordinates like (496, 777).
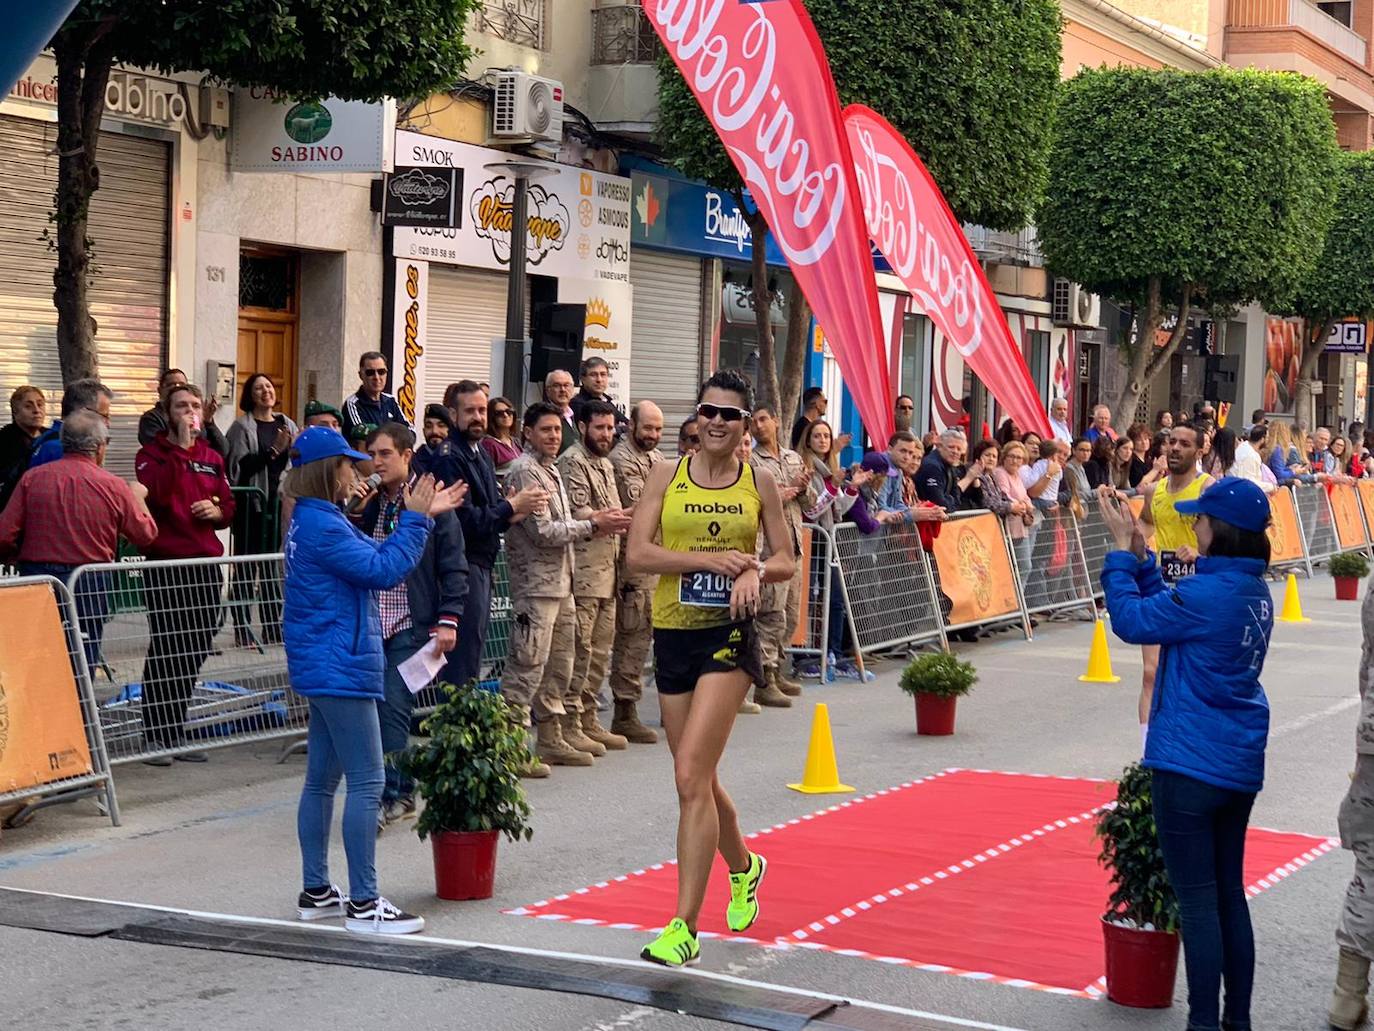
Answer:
(527, 107)
(1071, 305)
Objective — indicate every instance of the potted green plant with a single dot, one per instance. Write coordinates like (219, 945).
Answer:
(937, 680)
(1140, 927)
(1348, 569)
(468, 773)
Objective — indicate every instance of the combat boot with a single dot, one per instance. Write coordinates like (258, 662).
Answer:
(768, 693)
(1348, 1006)
(572, 734)
(592, 728)
(532, 768)
(788, 686)
(626, 723)
(551, 747)
(748, 708)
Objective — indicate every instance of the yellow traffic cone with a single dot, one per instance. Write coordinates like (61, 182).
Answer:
(822, 776)
(1099, 659)
(1292, 604)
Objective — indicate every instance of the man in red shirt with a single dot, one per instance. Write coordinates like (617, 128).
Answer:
(189, 497)
(72, 512)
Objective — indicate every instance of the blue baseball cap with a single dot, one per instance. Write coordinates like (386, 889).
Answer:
(322, 442)
(1232, 500)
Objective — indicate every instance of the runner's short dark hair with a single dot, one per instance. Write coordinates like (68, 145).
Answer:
(732, 380)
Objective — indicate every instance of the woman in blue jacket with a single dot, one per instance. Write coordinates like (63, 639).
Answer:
(1209, 721)
(334, 658)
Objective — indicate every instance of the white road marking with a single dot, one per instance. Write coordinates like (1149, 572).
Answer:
(422, 940)
(1314, 717)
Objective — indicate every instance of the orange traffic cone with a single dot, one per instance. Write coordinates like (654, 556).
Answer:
(1099, 659)
(1292, 604)
(822, 776)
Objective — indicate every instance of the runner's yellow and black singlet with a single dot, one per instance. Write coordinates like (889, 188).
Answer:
(697, 518)
(1172, 528)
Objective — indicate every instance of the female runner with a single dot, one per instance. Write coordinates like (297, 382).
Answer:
(707, 508)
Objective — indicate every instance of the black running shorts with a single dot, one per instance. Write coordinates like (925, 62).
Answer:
(681, 657)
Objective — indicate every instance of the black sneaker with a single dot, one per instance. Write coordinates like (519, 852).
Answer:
(378, 916)
(321, 903)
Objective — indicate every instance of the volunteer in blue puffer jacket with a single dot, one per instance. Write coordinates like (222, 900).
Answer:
(1209, 721)
(334, 658)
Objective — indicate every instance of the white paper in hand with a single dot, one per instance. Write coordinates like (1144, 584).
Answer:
(419, 670)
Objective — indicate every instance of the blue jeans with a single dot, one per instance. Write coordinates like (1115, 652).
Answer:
(1202, 835)
(836, 629)
(92, 603)
(344, 741)
(394, 711)
(465, 661)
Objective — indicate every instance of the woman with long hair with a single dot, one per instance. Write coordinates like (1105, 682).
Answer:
(1223, 455)
(1008, 431)
(697, 525)
(501, 441)
(334, 660)
(1119, 464)
(1208, 722)
(1279, 451)
(1098, 467)
(258, 441)
(1164, 420)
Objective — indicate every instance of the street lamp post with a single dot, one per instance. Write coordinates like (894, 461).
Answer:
(513, 371)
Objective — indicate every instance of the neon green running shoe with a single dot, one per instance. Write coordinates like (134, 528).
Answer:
(744, 894)
(675, 947)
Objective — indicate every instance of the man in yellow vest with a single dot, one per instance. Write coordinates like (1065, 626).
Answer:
(1174, 539)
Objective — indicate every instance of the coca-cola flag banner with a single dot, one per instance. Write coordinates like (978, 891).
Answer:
(760, 74)
(910, 221)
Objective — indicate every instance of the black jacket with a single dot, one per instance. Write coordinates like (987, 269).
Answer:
(584, 395)
(485, 514)
(361, 410)
(938, 482)
(437, 587)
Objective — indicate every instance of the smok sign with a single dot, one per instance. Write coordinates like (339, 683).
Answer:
(423, 197)
(275, 133)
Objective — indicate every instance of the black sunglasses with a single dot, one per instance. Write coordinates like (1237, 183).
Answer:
(730, 413)
(504, 411)
(374, 372)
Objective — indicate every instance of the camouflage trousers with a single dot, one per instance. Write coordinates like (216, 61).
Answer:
(634, 634)
(539, 657)
(779, 611)
(1356, 929)
(595, 631)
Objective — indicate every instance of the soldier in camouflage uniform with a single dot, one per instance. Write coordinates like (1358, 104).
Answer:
(1355, 932)
(589, 479)
(539, 553)
(780, 603)
(632, 459)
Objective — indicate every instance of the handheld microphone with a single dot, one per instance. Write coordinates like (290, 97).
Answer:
(356, 501)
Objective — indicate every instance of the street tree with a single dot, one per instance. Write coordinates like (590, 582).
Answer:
(1341, 284)
(971, 87)
(354, 49)
(1173, 191)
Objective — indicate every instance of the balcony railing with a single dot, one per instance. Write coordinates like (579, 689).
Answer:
(516, 21)
(622, 35)
(1020, 248)
(1299, 14)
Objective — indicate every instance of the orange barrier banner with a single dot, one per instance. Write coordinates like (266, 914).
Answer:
(1285, 542)
(975, 571)
(42, 738)
(800, 632)
(1366, 495)
(1345, 506)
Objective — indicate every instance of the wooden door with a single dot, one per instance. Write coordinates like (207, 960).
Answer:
(267, 344)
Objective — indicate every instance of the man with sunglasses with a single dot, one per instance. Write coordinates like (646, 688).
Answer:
(903, 411)
(429, 602)
(371, 405)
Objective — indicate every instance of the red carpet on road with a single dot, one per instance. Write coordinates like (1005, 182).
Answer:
(987, 875)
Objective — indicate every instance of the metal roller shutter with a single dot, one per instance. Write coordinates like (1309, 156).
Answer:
(467, 311)
(666, 335)
(129, 226)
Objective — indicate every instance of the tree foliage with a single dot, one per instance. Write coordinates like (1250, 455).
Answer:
(355, 49)
(1341, 283)
(1183, 189)
(970, 83)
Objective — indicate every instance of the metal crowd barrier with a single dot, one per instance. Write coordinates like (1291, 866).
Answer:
(1317, 522)
(890, 599)
(493, 648)
(51, 746)
(818, 564)
(1054, 571)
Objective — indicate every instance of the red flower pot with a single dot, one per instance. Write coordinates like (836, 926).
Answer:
(1141, 965)
(1347, 588)
(935, 715)
(464, 864)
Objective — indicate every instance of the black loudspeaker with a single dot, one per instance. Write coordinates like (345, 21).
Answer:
(556, 339)
(1221, 378)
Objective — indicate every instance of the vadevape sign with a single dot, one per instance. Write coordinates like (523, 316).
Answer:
(274, 133)
(577, 225)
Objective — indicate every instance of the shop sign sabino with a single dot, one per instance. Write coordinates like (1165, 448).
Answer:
(273, 133)
(578, 223)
